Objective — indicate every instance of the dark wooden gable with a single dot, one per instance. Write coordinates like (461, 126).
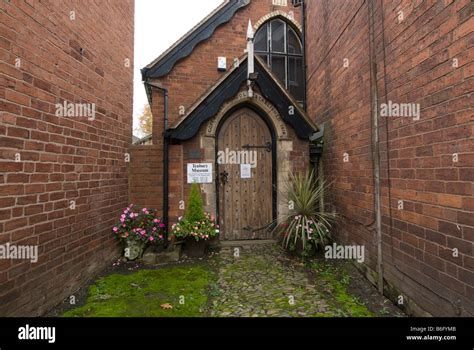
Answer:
(184, 48)
(228, 88)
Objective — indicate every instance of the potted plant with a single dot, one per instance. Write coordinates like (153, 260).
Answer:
(306, 227)
(137, 229)
(197, 227)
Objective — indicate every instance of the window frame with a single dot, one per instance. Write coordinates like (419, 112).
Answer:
(286, 54)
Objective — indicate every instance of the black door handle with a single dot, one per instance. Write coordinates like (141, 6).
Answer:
(224, 177)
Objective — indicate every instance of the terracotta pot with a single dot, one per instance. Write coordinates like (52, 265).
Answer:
(195, 249)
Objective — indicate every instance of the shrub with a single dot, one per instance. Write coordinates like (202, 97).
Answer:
(203, 229)
(306, 223)
(196, 223)
(195, 210)
(139, 225)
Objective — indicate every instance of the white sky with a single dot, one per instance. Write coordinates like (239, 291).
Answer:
(158, 24)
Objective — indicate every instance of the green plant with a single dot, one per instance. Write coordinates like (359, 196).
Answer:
(203, 229)
(306, 223)
(194, 210)
(139, 225)
(196, 223)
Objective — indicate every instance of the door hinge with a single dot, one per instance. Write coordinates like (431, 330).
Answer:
(267, 146)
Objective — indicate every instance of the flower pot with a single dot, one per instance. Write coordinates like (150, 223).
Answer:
(195, 249)
(134, 249)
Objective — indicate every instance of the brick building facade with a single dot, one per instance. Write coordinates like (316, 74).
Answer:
(423, 55)
(62, 179)
(189, 72)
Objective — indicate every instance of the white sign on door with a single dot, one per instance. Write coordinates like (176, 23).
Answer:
(200, 173)
(245, 171)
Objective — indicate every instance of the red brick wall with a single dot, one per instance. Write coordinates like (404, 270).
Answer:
(62, 158)
(414, 65)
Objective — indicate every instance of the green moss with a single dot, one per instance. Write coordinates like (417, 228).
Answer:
(142, 293)
(335, 283)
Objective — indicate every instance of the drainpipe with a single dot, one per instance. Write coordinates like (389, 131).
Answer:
(166, 141)
(303, 42)
(301, 3)
(376, 145)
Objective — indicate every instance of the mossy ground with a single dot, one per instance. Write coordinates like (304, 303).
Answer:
(143, 294)
(262, 282)
(333, 282)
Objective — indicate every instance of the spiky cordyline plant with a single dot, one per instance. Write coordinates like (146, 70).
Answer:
(305, 222)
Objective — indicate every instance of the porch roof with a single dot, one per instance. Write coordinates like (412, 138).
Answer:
(226, 88)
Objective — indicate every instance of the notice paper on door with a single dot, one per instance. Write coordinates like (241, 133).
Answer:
(245, 171)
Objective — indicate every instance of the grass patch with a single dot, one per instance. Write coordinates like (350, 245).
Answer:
(143, 293)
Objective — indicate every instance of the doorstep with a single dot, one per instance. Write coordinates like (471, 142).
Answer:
(250, 242)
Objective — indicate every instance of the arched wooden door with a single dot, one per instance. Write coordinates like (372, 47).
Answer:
(245, 197)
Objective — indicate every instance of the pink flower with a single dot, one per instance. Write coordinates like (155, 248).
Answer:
(151, 238)
(154, 228)
(115, 229)
(162, 225)
(156, 221)
(160, 236)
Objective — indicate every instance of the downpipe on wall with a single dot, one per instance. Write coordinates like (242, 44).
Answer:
(375, 145)
(166, 142)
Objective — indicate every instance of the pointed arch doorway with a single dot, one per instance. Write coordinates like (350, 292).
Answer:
(246, 186)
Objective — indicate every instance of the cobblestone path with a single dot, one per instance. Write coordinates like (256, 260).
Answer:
(261, 281)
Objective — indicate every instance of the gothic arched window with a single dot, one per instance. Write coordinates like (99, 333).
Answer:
(278, 44)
